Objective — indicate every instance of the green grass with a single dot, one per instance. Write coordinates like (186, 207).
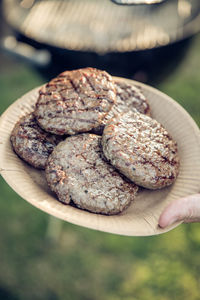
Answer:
(89, 265)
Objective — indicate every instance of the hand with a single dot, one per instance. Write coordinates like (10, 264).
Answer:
(185, 209)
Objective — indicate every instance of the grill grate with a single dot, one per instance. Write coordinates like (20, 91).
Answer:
(102, 26)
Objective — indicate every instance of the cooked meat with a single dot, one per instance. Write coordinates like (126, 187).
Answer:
(77, 171)
(129, 98)
(141, 149)
(75, 101)
(31, 142)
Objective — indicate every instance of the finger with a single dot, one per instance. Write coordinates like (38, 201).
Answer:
(184, 209)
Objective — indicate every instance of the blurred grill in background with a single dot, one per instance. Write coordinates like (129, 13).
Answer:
(135, 41)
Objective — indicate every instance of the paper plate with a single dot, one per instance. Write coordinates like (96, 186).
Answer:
(141, 218)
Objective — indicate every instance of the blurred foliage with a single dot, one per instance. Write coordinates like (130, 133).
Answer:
(183, 84)
(78, 263)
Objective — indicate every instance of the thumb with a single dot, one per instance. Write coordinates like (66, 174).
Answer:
(184, 209)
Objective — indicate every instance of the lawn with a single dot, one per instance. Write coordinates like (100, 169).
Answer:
(45, 258)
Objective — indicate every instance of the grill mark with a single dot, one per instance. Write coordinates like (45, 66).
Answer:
(46, 102)
(64, 88)
(45, 93)
(164, 177)
(89, 82)
(42, 140)
(74, 87)
(170, 162)
(105, 98)
(96, 91)
(71, 118)
(147, 160)
(63, 99)
(88, 109)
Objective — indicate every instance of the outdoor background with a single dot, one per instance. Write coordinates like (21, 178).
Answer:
(42, 258)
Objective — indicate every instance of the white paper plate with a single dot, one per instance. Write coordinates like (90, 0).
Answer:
(141, 218)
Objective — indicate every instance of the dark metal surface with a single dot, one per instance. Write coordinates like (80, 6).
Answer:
(101, 26)
(149, 65)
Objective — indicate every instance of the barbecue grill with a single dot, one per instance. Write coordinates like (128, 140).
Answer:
(100, 27)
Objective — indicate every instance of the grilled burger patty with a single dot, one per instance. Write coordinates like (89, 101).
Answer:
(75, 101)
(76, 170)
(31, 142)
(141, 149)
(129, 98)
